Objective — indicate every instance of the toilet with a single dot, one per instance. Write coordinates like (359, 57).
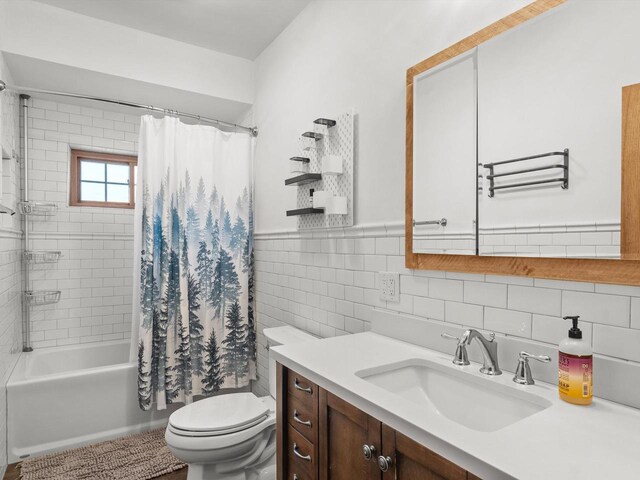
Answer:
(232, 436)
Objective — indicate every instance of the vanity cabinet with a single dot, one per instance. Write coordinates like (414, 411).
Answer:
(344, 433)
(412, 461)
(321, 436)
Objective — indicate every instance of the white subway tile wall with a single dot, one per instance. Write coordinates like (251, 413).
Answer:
(594, 240)
(291, 282)
(95, 273)
(10, 324)
(10, 250)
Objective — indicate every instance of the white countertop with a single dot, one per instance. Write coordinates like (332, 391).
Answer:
(564, 441)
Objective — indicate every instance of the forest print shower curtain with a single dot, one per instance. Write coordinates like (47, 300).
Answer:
(194, 279)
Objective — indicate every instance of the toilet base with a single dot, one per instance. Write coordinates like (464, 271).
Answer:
(209, 472)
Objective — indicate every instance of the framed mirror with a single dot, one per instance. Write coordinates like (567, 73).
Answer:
(523, 146)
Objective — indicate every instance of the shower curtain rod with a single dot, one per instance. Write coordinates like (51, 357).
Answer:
(252, 130)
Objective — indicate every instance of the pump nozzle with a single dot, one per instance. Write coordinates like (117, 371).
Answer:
(574, 331)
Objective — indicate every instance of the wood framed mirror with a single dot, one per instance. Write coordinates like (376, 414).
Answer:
(623, 267)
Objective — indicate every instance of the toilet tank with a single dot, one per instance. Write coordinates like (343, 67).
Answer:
(282, 336)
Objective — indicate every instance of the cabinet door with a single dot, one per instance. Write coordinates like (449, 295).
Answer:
(408, 460)
(344, 432)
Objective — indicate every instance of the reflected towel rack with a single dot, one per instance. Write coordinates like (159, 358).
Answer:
(442, 222)
(564, 180)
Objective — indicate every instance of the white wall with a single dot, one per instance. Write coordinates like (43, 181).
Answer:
(342, 54)
(55, 35)
(338, 55)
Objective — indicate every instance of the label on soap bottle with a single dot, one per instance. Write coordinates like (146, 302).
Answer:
(576, 375)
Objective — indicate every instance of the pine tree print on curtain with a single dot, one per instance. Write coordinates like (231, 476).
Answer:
(194, 237)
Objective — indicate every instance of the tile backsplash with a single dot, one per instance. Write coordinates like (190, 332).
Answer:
(325, 282)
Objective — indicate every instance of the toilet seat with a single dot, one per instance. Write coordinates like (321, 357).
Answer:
(220, 415)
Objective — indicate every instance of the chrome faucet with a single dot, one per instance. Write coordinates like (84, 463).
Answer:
(488, 347)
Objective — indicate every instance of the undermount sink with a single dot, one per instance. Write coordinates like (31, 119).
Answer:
(476, 403)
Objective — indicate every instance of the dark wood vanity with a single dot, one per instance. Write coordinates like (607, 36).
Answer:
(322, 437)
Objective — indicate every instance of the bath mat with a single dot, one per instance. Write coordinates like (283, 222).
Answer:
(137, 457)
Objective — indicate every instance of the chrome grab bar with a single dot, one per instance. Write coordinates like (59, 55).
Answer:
(442, 222)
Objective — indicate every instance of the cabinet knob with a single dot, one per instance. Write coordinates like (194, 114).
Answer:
(369, 451)
(384, 463)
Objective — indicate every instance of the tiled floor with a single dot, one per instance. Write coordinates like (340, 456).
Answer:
(13, 473)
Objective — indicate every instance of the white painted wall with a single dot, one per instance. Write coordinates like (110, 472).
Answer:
(52, 34)
(338, 55)
(342, 54)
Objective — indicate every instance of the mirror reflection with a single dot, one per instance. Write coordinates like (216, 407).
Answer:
(538, 174)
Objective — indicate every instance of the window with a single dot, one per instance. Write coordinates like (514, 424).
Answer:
(102, 179)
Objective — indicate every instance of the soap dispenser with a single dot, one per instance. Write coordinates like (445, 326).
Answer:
(575, 362)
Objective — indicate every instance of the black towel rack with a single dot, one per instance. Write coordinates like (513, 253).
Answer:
(564, 166)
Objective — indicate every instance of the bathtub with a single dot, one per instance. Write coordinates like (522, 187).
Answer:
(66, 397)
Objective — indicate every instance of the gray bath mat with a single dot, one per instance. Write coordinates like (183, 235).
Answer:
(137, 457)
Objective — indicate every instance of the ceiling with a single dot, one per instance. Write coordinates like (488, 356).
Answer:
(242, 28)
(42, 75)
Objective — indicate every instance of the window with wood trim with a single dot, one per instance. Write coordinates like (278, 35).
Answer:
(102, 180)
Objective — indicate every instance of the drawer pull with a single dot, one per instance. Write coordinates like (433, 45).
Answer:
(297, 386)
(297, 453)
(306, 423)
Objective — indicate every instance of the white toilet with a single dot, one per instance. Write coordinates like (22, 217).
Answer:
(233, 436)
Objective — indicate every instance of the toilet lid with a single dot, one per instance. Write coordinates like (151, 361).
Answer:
(220, 414)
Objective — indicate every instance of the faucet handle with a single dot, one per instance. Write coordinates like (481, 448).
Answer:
(523, 371)
(460, 357)
(451, 337)
(540, 358)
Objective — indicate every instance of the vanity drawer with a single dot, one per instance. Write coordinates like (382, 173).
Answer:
(302, 457)
(303, 417)
(301, 388)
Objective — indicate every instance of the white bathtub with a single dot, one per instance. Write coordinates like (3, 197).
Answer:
(64, 397)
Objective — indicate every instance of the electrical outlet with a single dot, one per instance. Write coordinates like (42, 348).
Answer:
(389, 287)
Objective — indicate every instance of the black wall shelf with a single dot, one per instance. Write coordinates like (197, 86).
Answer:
(300, 159)
(325, 121)
(304, 211)
(303, 179)
(314, 135)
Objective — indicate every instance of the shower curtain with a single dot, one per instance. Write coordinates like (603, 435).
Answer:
(193, 285)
